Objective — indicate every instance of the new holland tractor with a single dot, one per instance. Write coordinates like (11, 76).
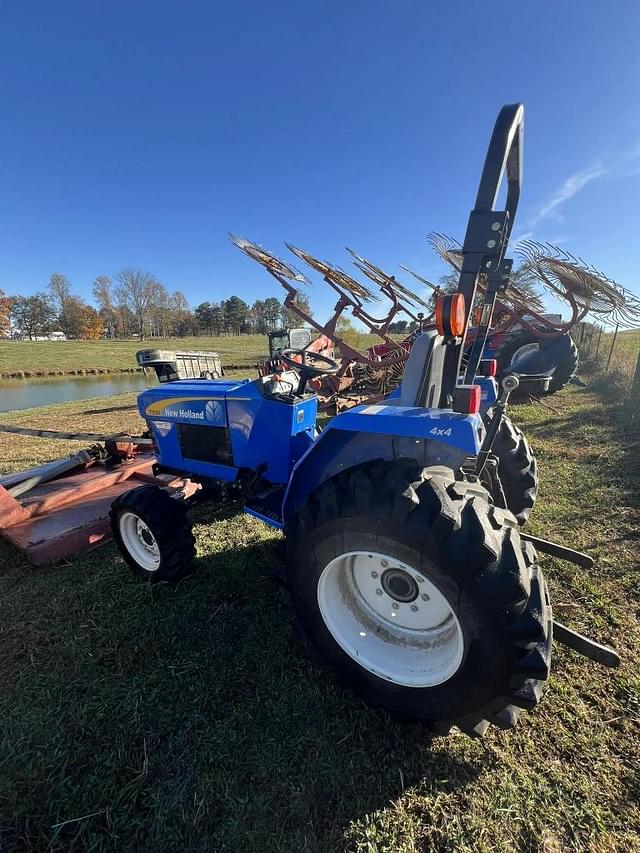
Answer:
(410, 580)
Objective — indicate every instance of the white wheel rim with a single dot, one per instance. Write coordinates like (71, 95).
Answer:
(525, 349)
(409, 641)
(139, 541)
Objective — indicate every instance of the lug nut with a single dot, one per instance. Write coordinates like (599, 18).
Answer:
(419, 579)
(414, 608)
(424, 596)
(374, 574)
(384, 563)
(378, 592)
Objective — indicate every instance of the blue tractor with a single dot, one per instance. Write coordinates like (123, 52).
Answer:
(412, 582)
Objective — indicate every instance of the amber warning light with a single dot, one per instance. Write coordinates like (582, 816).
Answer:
(450, 315)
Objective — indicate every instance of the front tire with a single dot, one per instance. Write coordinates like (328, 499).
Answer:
(478, 651)
(153, 533)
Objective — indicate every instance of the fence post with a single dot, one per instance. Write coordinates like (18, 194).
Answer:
(613, 343)
(598, 344)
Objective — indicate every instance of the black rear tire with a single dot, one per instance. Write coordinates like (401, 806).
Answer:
(517, 469)
(565, 371)
(166, 526)
(561, 376)
(469, 550)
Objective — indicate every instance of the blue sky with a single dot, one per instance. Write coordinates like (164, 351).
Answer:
(140, 133)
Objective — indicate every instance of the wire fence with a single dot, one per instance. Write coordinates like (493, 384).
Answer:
(612, 356)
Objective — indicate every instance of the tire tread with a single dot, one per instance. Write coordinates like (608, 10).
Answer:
(473, 537)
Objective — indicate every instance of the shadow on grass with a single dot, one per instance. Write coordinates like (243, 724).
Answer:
(613, 418)
(189, 717)
(105, 411)
(607, 445)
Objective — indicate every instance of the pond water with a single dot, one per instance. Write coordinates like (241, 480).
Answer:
(27, 393)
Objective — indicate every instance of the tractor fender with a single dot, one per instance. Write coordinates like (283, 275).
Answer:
(338, 450)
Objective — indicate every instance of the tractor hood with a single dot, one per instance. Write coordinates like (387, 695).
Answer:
(188, 400)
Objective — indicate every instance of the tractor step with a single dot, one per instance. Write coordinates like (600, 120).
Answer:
(267, 508)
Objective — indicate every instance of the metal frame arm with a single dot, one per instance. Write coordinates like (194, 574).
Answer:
(488, 230)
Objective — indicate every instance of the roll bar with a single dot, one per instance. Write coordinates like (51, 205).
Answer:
(487, 237)
(504, 154)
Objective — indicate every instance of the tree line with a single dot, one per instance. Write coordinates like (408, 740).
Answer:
(135, 303)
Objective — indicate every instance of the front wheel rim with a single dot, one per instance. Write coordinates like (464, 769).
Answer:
(139, 541)
(413, 639)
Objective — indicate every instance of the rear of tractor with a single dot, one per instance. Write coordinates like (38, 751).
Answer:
(407, 574)
(560, 356)
(514, 341)
(284, 339)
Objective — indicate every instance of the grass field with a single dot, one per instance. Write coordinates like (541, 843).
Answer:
(72, 355)
(625, 350)
(194, 719)
(628, 341)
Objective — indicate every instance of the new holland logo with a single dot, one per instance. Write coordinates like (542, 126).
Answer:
(214, 411)
(189, 409)
(185, 414)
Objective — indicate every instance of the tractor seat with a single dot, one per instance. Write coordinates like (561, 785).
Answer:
(422, 380)
(280, 384)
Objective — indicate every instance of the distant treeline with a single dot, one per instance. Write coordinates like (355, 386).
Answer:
(134, 302)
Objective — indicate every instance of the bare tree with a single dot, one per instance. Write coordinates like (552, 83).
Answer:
(180, 303)
(104, 297)
(60, 290)
(161, 313)
(183, 321)
(139, 291)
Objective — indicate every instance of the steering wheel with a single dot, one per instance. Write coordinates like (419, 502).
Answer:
(311, 364)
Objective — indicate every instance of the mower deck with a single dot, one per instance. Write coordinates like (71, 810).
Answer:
(70, 513)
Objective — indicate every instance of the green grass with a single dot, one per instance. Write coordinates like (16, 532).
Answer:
(72, 355)
(628, 341)
(625, 349)
(194, 719)
(625, 353)
(612, 370)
